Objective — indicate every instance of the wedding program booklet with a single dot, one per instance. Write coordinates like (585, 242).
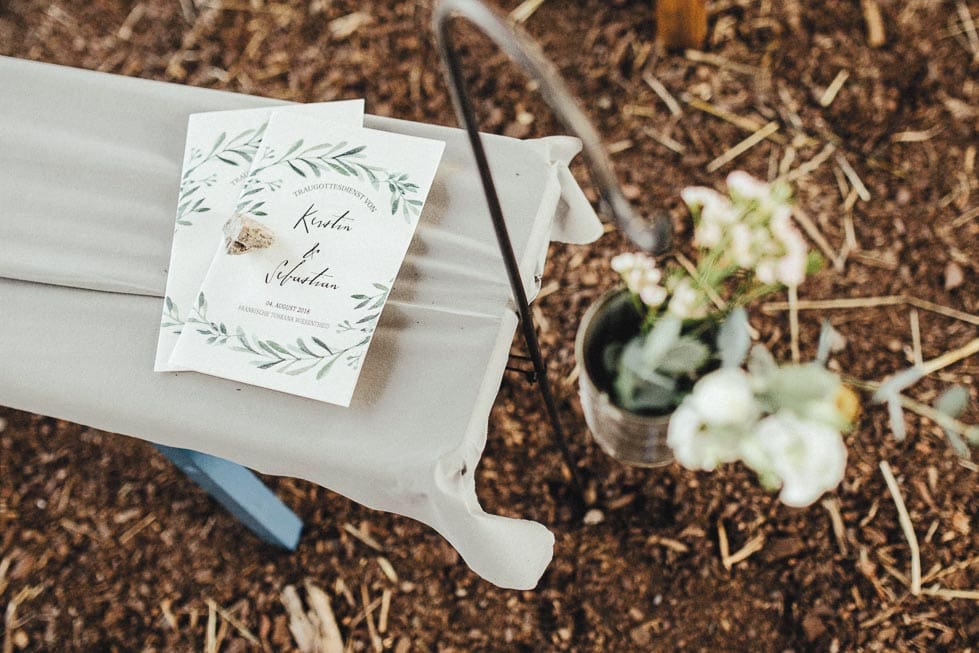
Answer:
(221, 146)
(306, 256)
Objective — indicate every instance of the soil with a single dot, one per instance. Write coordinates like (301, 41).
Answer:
(105, 546)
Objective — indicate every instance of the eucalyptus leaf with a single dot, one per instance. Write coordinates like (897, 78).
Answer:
(295, 146)
(896, 417)
(953, 401)
(734, 338)
(279, 348)
(661, 339)
(299, 370)
(798, 387)
(325, 369)
(651, 398)
(611, 356)
(322, 344)
(686, 357)
(303, 348)
(265, 346)
(890, 388)
(958, 444)
(827, 334)
(761, 364)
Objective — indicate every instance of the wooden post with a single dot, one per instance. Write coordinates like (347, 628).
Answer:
(681, 24)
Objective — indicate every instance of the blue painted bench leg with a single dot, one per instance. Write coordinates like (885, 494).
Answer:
(241, 493)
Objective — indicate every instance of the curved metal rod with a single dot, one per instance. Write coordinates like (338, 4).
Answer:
(651, 236)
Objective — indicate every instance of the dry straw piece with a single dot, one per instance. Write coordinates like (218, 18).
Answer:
(876, 36)
(905, 520)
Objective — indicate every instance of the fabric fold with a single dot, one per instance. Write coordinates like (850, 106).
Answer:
(81, 308)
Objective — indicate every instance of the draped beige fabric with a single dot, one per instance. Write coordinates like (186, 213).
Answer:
(89, 170)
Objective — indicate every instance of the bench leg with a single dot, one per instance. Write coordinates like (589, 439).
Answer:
(241, 493)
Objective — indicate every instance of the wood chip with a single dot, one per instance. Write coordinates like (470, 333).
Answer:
(168, 616)
(743, 147)
(619, 146)
(810, 166)
(663, 93)
(9, 621)
(382, 617)
(853, 177)
(951, 594)
(916, 136)
(315, 631)
(664, 140)
(742, 122)
(369, 616)
(669, 543)
(873, 302)
(330, 640)
(210, 637)
(346, 26)
(968, 216)
(916, 338)
(906, 526)
(950, 357)
(363, 536)
(813, 231)
(832, 506)
(752, 546)
(876, 36)
(721, 62)
(722, 544)
(639, 110)
(834, 87)
(235, 623)
(4, 567)
(969, 26)
(526, 9)
(136, 528)
(388, 569)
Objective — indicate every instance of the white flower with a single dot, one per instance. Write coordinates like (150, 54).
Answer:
(808, 457)
(743, 185)
(687, 303)
(743, 246)
(712, 205)
(705, 430)
(716, 214)
(791, 267)
(724, 397)
(653, 295)
(624, 262)
(697, 446)
(708, 234)
(641, 276)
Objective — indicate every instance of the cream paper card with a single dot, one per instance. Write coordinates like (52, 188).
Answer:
(341, 206)
(220, 148)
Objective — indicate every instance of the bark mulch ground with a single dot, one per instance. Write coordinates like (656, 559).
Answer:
(105, 546)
